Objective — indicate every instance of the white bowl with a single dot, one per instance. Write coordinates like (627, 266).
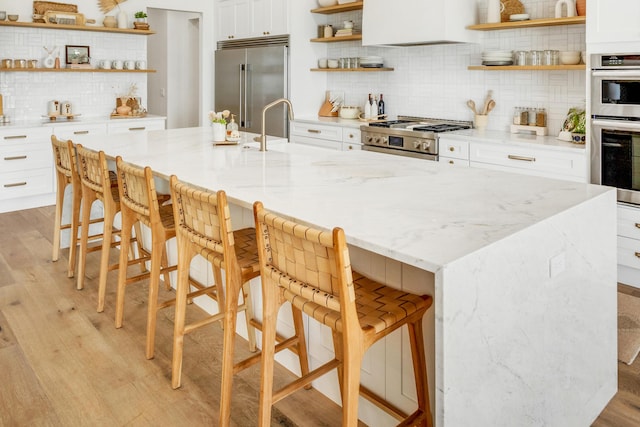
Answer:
(327, 3)
(347, 112)
(332, 63)
(570, 57)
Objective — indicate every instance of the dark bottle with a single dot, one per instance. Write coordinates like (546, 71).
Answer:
(380, 106)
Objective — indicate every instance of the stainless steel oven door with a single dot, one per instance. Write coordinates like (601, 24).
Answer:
(615, 92)
(615, 157)
(397, 152)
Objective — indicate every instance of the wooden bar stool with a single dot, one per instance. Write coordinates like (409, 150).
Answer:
(97, 184)
(311, 269)
(203, 223)
(64, 155)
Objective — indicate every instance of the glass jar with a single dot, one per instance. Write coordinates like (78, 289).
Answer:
(516, 115)
(521, 57)
(536, 57)
(548, 57)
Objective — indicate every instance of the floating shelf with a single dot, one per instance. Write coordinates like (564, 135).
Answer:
(530, 23)
(333, 70)
(76, 28)
(337, 39)
(69, 70)
(339, 8)
(526, 67)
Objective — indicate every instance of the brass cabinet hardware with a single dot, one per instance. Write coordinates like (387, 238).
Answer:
(16, 157)
(15, 184)
(15, 137)
(524, 159)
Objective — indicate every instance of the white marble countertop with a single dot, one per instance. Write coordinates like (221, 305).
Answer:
(79, 120)
(516, 139)
(422, 213)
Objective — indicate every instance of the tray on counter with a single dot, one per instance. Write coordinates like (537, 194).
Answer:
(127, 116)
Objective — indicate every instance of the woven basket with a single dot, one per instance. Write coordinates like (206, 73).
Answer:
(511, 7)
(42, 7)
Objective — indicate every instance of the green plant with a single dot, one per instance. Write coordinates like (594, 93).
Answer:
(576, 121)
(140, 14)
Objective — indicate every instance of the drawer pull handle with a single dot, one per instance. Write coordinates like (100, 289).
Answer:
(450, 162)
(637, 254)
(16, 184)
(16, 158)
(524, 159)
(452, 149)
(138, 128)
(350, 135)
(15, 137)
(313, 131)
(637, 225)
(81, 132)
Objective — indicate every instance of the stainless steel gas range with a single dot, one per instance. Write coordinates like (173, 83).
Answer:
(408, 136)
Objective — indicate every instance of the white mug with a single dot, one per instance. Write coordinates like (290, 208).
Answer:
(105, 64)
(141, 65)
(117, 64)
(322, 63)
(130, 64)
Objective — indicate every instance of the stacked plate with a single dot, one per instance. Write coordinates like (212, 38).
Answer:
(371, 62)
(497, 57)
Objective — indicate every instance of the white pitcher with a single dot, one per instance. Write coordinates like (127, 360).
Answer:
(494, 9)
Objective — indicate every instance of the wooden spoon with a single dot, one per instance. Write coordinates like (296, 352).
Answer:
(471, 104)
(490, 105)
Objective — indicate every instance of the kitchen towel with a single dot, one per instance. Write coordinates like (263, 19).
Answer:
(628, 327)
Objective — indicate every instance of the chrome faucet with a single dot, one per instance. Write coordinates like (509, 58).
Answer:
(263, 136)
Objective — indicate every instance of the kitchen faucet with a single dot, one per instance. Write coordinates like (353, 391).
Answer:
(263, 136)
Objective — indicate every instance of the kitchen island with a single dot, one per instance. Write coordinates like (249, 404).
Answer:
(522, 269)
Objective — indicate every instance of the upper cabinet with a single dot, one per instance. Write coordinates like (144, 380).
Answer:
(417, 22)
(613, 21)
(239, 19)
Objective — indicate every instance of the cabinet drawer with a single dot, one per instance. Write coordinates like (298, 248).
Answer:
(452, 148)
(454, 161)
(136, 125)
(25, 136)
(346, 146)
(309, 130)
(317, 142)
(70, 132)
(629, 252)
(553, 164)
(629, 222)
(26, 183)
(351, 135)
(16, 158)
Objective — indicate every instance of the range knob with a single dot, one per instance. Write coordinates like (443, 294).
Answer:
(370, 139)
(417, 144)
(384, 140)
(426, 145)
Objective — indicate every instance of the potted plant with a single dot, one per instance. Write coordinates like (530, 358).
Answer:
(140, 16)
(576, 123)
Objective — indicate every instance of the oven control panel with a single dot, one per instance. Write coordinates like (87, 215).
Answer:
(407, 143)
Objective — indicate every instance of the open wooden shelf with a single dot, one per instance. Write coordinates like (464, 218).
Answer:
(337, 39)
(76, 28)
(333, 70)
(70, 70)
(526, 67)
(338, 8)
(530, 23)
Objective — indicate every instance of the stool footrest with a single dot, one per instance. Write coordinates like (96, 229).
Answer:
(381, 403)
(303, 381)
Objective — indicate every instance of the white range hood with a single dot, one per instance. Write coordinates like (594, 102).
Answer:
(417, 22)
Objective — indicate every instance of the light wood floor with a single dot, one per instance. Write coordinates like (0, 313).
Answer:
(64, 364)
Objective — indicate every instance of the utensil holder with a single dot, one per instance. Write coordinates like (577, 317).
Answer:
(480, 121)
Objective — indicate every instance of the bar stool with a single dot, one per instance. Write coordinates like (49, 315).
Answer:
(64, 155)
(311, 269)
(203, 223)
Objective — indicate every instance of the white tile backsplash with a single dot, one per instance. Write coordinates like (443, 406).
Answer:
(26, 94)
(433, 81)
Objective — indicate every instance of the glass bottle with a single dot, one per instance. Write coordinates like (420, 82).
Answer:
(381, 106)
(233, 134)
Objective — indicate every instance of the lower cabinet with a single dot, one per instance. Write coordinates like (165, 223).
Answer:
(135, 125)
(453, 152)
(333, 137)
(629, 245)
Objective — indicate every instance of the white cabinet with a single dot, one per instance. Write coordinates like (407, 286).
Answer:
(453, 151)
(135, 125)
(612, 21)
(530, 160)
(319, 135)
(417, 22)
(629, 245)
(351, 139)
(239, 19)
(26, 168)
(70, 132)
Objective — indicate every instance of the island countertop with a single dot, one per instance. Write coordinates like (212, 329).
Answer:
(522, 269)
(419, 212)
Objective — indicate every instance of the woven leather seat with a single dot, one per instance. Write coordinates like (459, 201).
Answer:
(311, 269)
(64, 155)
(204, 227)
(96, 182)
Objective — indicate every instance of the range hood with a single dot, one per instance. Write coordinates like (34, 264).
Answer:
(417, 22)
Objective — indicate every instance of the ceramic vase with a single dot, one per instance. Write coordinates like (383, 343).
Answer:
(581, 7)
(123, 22)
(110, 22)
(219, 132)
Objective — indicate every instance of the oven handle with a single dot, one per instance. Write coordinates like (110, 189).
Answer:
(615, 73)
(612, 144)
(615, 124)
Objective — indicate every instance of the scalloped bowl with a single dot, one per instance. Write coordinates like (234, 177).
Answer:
(327, 3)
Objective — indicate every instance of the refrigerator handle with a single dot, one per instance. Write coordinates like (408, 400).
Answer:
(241, 95)
(247, 95)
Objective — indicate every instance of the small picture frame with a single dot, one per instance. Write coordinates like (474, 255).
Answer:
(77, 54)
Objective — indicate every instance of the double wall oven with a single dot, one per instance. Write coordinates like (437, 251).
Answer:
(615, 124)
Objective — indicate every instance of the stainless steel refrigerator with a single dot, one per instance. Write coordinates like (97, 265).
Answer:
(250, 74)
